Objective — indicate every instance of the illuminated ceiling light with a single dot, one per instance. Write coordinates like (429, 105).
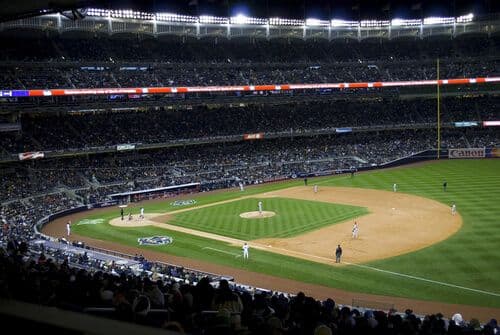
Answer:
(343, 23)
(239, 19)
(465, 18)
(316, 22)
(439, 20)
(374, 23)
(403, 22)
(213, 19)
(276, 21)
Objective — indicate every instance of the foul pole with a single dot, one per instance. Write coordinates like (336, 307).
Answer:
(438, 114)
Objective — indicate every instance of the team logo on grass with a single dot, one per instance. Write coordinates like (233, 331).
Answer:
(155, 240)
(90, 221)
(183, 202)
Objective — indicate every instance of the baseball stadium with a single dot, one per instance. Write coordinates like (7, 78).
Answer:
(250, 174)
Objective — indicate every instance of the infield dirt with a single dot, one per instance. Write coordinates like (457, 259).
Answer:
(397, 223)
(435, 223)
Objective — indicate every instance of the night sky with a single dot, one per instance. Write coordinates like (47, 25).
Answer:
(292, 9)
(320, 9)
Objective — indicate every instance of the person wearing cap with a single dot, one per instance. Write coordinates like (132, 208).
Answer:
(338, 254)
(245, 250)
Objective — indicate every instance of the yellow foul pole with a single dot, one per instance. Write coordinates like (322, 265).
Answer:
(438, 115)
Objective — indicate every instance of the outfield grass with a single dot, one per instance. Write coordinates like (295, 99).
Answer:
(293, 217)
(469, 258)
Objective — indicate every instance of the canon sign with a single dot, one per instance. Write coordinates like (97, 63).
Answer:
(466, 153)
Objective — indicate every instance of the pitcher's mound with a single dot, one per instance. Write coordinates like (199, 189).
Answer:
(257, 215)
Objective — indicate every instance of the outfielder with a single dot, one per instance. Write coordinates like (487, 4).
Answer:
(260, 207)
(245, 251)
(355, 230)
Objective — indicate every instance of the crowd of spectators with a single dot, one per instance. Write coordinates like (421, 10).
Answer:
(35, 189)
(91, 178)
(165, 50)
(19, 217)
(157, 125)
(144, 63)
(200, 306)
(252, 161)
(73, 76)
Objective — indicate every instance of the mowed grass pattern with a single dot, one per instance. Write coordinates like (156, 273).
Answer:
(469, 258)
(293, 217)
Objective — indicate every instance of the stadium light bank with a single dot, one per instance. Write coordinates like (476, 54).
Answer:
(241, 19)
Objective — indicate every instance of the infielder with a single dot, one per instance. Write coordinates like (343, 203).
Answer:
(453, 209)
(395, 187)
(315, 188)
(142, 213)
(355, 230)
(245, 251)
(68, 228)
(260, 207)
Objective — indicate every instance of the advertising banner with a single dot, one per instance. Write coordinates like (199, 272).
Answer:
(491, 123)
(466, 153)
(495, 152)
(257, 136)
(466, 124)
(30, 155)
(121, 147)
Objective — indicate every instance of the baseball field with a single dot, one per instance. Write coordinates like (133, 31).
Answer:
(410, 246)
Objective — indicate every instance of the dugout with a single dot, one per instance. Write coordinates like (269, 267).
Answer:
(153, 193)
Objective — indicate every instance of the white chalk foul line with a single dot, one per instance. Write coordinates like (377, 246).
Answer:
(397, 274)
(424, 279)
(225, 252)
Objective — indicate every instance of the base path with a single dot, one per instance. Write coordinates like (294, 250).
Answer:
(416, 221)
(397, 223)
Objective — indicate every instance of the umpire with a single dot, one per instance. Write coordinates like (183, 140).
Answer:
(338, 254)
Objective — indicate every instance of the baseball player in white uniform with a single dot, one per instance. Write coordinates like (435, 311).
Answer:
(245, 250)
(315, 188)
(142, 213)
(68, 228)
(453, 209)
(260, 207)
(395, 187)
(241, 187)
(355, 230)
